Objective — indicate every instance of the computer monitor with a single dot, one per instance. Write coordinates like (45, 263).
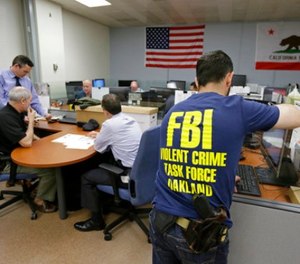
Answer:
(125, 83)
(281, 170)
(176, 84)
(238, 80)
(98, 83)
(72, 88)
(274, 94)
(161, 94)
(122, 92)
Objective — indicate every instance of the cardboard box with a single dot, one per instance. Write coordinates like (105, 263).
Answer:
(145, 116)
(294, 194)
(92, 112)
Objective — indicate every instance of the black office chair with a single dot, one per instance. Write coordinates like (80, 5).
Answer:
(27, 181)
(141, 187)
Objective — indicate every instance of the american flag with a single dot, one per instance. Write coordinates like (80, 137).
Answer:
(174, 47)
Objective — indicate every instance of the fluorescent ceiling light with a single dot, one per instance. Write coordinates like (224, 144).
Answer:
(93, 3)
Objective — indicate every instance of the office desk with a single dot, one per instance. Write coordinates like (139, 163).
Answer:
(269, 192)
(265, 229)
(147, 104)
(46, 154)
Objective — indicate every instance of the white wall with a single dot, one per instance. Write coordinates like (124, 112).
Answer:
(51, 45)
(86, 47)
(78, 46)
(12, 41)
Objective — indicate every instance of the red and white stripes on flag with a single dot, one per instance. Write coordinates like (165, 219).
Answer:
(174, 47)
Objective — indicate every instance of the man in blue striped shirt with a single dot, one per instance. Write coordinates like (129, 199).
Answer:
(17, 76)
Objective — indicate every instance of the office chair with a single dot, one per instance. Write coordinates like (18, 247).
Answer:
(26, 182)
(141, 186)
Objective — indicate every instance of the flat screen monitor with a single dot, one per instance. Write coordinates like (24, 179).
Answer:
(281, 170)
(72, 88)
(122, 92)
(176, 84)
(274, 94)
(98, 83)
(161, 94)
(125, 83)
(273, 143)
(238, 80)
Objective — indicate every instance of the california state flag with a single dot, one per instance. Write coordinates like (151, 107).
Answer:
(278, 46)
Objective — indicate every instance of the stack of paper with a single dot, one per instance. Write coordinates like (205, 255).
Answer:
(74, 141)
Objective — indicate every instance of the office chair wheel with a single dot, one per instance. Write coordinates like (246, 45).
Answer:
(107, 236)
(34, 216)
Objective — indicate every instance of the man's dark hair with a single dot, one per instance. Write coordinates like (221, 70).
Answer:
(193, 84)
(213, 67)
(22, 60)
(111, 103)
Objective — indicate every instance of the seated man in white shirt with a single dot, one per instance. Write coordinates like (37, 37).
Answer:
(120, 134)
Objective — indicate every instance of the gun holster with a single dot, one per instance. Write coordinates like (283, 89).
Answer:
(201, 235)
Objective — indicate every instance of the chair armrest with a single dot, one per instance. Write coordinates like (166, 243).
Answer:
(111, 168)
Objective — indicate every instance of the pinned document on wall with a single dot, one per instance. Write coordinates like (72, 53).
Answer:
(99, 92)
(182, 95)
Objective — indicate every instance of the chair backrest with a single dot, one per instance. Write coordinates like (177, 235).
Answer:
(144, 169)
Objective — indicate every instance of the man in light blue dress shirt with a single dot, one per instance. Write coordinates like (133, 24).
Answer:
(17, 76)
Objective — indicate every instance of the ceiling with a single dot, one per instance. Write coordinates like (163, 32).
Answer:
(131, 13)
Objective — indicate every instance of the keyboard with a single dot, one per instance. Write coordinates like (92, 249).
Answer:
(249, 182)
(68, 120)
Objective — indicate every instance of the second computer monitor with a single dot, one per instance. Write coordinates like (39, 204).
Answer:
(125, 83)
(122, 92)
(238, 80)
(161, 94)
(281, 169)
(98, 83)
(72, 88)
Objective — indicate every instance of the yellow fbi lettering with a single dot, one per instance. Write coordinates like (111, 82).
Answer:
(192, 173)
(176, 155)
(191, 133)
(209, 158)
(182, 186)
(174, 170)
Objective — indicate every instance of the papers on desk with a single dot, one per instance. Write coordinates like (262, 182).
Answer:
(74, 141)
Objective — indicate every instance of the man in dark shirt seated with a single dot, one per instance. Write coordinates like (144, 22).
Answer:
(14, 132)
